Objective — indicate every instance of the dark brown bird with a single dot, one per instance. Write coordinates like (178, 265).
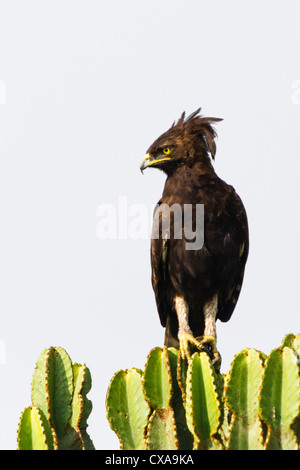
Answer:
(195, 281)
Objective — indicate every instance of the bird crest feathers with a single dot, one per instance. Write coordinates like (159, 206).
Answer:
(197, 124)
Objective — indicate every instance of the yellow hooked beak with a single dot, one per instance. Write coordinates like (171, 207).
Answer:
(147, 162)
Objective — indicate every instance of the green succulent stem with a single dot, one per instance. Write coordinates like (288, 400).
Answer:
(172, 404)
(57, 417)
(191, 405)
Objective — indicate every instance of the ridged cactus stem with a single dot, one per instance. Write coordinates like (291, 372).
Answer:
(280, 398)
(242, 388)
(31, 431)
(203, 407)
(255, 405)
(157, 381)
(60, 408)
(127, 410)
(172, 404)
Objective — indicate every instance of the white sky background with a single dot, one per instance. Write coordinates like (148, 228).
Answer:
(88, 86)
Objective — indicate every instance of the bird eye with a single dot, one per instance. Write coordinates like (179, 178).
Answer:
(166, 150)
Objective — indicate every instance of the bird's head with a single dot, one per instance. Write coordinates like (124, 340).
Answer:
(187, 141)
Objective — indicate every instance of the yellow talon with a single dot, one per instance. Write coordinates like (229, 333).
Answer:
(210, 343)
(184, 341)
(202, 343)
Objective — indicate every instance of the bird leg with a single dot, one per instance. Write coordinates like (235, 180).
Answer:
(209, 338)
(185, 334)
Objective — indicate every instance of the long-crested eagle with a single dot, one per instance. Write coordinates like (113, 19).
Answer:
(195, 287)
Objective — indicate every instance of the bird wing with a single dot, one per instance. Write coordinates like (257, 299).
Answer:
(237, 237)
(159, 253)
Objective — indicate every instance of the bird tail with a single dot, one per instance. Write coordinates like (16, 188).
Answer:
(171, 334)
